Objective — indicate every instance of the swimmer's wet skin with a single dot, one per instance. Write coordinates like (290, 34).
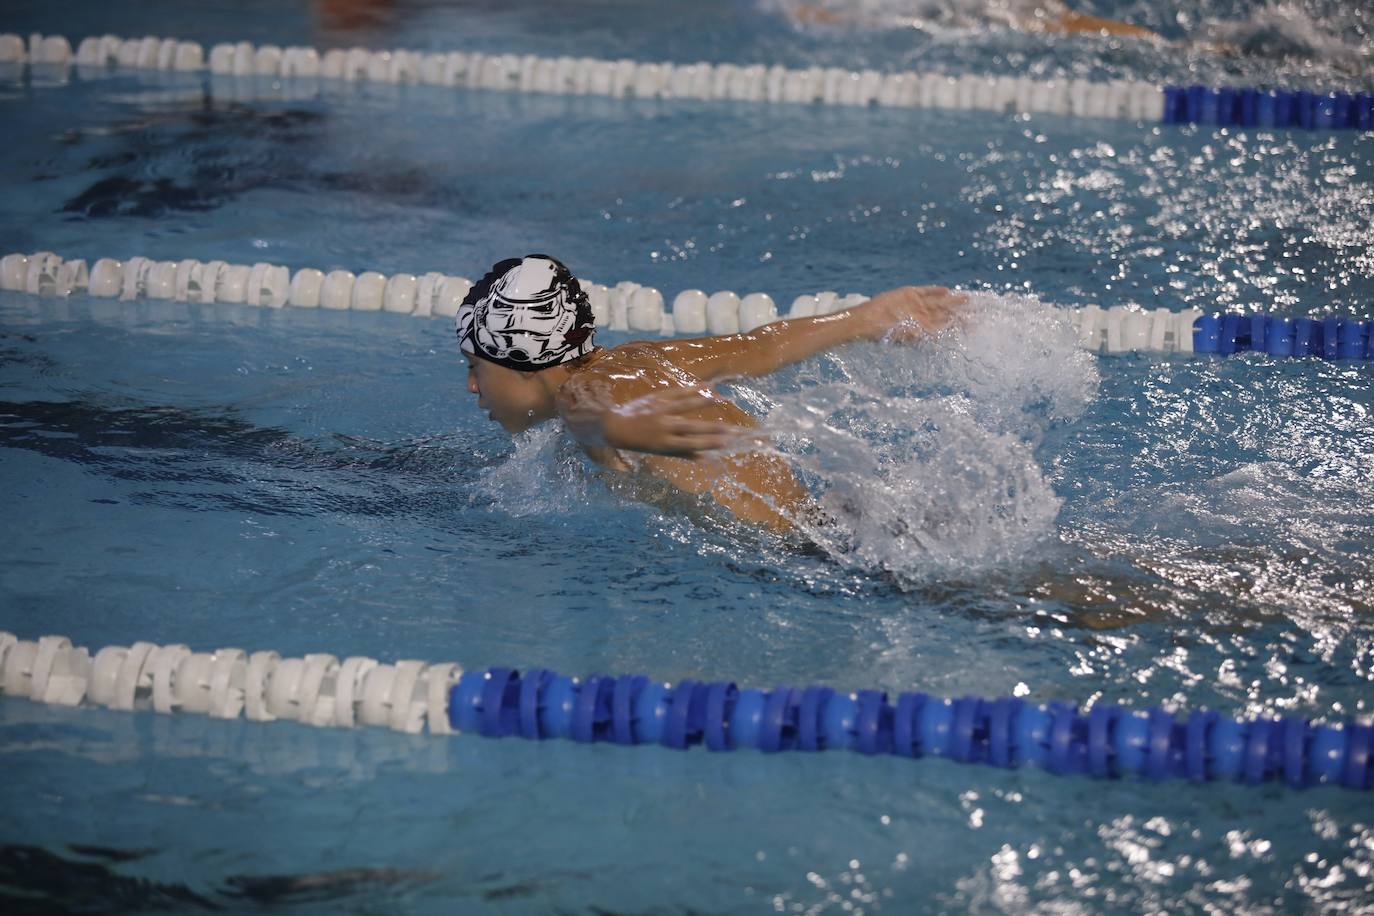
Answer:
(1053, 16)
(648, 406)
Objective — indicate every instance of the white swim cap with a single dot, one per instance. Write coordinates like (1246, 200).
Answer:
(528, 314)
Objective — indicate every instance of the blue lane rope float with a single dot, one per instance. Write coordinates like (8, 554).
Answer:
(628, 306)
(1328, 338)
(1278, 108)
(1107, 742)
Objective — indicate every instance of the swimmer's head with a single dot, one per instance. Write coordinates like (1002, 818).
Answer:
(526, 314)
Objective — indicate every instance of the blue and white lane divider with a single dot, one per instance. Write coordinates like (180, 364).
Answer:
(1225, 105)
(50, 57)
(628, 306)
(1106, 742)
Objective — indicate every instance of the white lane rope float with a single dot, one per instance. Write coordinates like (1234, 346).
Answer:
(626, 306)
(317, 689)
(1130, 99)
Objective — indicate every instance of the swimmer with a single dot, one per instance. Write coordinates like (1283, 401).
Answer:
(1276, 32)
(1025, 15)
(648, 407)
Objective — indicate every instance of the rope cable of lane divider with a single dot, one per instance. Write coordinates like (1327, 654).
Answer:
(628, 306)
(1135, 100)
(318, 689)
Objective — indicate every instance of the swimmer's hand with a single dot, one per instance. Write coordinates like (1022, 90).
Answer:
(656, 424)
(911, 312)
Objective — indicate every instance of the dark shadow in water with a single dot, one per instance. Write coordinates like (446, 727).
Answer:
(207, 151)
(260, 469)
(121, 196)
(39, 363)
(218, 152)
(322, 886)
(109, 854)
(34, 880)
(197, 157)
(70, 429)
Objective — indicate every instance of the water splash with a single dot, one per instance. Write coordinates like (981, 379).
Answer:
(545, 474)
(1016, 360)
(1285, 31)
(923, 457)
(944, 494)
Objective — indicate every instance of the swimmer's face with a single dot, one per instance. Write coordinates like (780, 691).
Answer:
(516, 400)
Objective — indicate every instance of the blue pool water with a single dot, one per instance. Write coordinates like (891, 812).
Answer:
(1187, 531)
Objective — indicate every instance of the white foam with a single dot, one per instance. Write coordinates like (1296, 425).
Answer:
(545, 474)
(1284, 30)
(1260, 502)
(1015, 358)
(915, 487)
(925, 455)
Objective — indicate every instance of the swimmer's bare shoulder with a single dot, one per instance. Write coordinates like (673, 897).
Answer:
(642, 397)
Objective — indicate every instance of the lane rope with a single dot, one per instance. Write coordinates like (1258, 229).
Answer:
(319, 689)
(629, 306)
(592, 76)
(1261, 106)
(1271, 107)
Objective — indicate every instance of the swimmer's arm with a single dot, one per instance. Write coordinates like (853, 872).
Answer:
(669, 419)
(1077, 23)
(901, 314)
(808, 12)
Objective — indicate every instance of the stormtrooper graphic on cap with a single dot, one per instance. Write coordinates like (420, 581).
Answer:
(528, 314)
